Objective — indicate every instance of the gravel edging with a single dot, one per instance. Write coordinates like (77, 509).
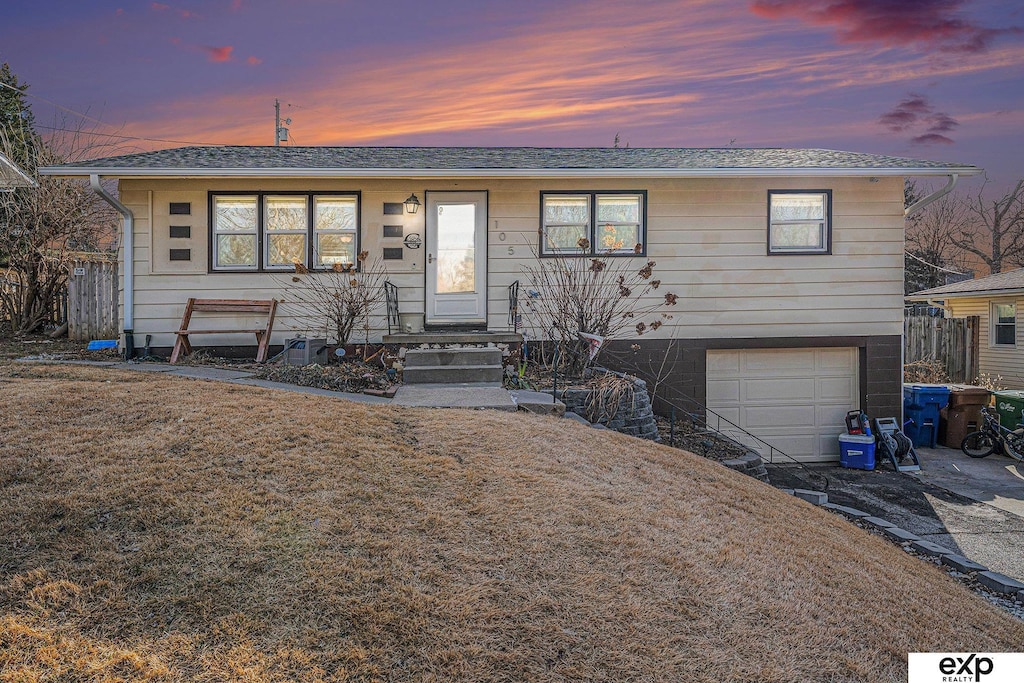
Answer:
(998, 589)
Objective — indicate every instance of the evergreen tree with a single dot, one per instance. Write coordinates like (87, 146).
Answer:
(17, 123)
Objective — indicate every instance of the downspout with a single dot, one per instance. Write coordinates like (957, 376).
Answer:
(128, 246)
(925, 201)
(910, 211)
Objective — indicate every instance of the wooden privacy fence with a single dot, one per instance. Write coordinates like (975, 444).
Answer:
(92, 300)
(951, 341)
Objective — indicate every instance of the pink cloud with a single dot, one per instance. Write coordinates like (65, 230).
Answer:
(159, 7)
(936, 23)
(175, 40)
(187, 14)
(236, 5)
(219, 54)
(253, 61)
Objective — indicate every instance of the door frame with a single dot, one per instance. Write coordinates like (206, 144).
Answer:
(486, 249)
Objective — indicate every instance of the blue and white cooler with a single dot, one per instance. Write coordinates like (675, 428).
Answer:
(857, 451)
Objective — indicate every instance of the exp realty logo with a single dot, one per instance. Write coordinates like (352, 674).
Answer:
(965, 667)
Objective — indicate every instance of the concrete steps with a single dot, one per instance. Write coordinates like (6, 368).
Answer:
(453, 366)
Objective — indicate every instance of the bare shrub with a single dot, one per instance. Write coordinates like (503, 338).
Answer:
(574, 293)
(338, 301)
(925, 371)
(990, 382)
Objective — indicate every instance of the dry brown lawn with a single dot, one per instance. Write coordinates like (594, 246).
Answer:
(163, 529)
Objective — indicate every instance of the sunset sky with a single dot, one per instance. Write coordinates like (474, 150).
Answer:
(934, 79)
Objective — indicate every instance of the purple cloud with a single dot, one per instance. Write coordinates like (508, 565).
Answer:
(915, 111)
(935, 23)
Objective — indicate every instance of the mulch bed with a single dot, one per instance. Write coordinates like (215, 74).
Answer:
(353, 377)
(690, 437)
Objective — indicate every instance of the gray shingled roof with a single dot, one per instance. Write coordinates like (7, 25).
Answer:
(1006, 283)
(211, 160)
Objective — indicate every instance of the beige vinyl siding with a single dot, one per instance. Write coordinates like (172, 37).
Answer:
(708, 237)
(1006, 362)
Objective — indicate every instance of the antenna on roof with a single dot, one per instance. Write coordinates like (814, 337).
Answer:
(280, 132)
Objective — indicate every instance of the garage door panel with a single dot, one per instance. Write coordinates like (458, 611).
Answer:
(828, 445)
(730, 414)
(778, 390)
(770, 417)
(831, 417)
(801, 360)
(723, 391)
(794, 399)
(798, 446)
(723, 362)
(840, 361)
(835, 388)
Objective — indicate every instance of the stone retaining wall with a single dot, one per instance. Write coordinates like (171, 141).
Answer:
(749, 464)
(633, 415)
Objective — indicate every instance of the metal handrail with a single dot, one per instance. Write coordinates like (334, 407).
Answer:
(514, 319)
(391, 295)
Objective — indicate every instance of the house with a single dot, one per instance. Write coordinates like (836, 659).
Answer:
(11, 176)
(997, 301)
(788, 263)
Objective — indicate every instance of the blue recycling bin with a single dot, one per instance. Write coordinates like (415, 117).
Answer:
(921, 406)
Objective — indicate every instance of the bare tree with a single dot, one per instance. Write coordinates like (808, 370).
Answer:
(995, 231)
(932, 252)
(41, 227)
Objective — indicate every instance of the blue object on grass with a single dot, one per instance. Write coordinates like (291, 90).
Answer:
(98, 344)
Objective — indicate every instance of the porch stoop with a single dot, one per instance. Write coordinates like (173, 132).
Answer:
(465, 365)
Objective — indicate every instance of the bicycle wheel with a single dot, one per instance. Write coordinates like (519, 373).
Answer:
(1013, 444)
(978, 444)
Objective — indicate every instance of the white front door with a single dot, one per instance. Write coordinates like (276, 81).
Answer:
(456, 245)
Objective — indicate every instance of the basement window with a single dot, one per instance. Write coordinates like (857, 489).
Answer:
(799, 221)
(1004, 324)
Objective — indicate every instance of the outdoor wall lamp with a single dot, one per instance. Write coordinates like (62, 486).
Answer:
(412, 204)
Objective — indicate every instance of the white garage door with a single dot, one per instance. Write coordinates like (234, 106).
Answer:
(795, 399)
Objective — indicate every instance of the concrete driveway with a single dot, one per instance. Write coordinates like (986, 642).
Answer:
(974, 507)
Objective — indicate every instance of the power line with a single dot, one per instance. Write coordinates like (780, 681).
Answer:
(130, 137)
(944, 270)
(95, 120)
(54, 104)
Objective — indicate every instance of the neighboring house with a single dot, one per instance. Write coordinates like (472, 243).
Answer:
(788, 264)
(998, 301)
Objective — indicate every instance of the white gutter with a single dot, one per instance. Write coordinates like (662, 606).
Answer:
(128, 246)
(130, 172)
(925, 201)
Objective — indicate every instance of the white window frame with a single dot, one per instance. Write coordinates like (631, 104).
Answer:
(354, 231)
(261, 233)
(255, 232)
(265, 200)
(825, 226)
(590, 228)
(994, 324)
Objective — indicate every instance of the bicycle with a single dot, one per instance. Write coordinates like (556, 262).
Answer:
(993, 437)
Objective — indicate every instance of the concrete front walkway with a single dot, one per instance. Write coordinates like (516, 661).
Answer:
(974, 507)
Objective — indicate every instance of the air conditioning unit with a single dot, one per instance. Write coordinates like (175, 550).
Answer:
(303, 351)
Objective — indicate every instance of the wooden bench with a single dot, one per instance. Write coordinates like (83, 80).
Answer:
(268, 308)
